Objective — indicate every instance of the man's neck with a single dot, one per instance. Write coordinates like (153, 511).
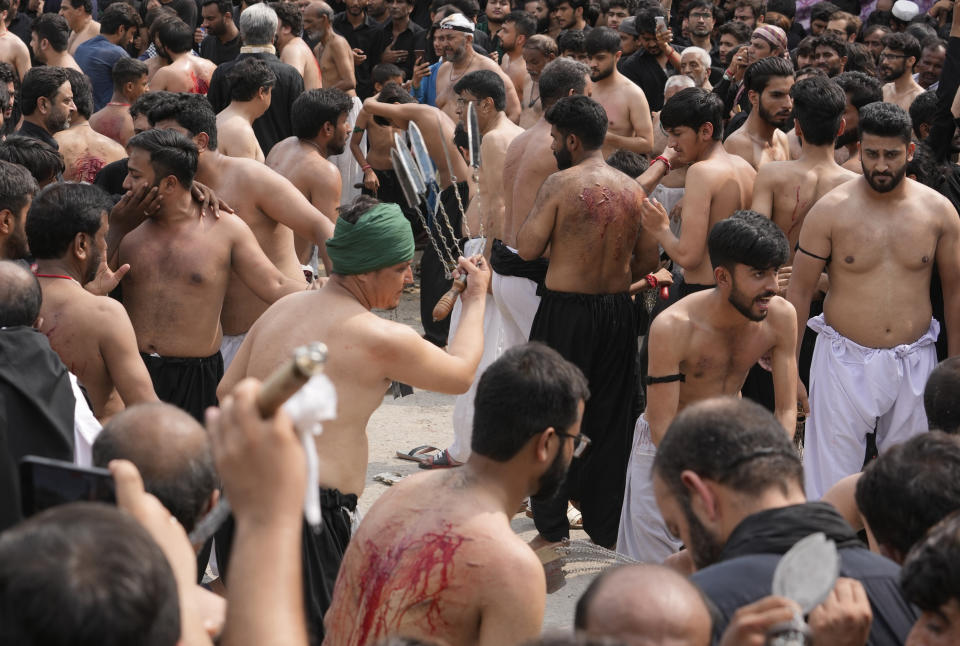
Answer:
(714, 148)
(37, 122)
(904, 84)
(357, 20)
(737, 507)
(316, 145)
(493, 27)
(817, 154)
(703, 42)
(177, 208)
(579, 24)
(229, 33)
(516, 54)
(249, 110)
(399, 26)
(119, 98)
(176, 57)
(327, 36)
(58, 267)
(208, 166)
(591, 158)
(347, 285)
(113, 38)
(495, 121)
(497, 480)
(758, 126)
(465, 62)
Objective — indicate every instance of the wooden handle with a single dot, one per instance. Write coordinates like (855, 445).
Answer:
(445, 304)
(290, 377)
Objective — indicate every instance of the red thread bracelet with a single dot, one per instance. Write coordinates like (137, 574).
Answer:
(666, 162)
(652, 281)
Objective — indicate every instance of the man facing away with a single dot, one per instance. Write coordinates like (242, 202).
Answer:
(589, 215)
(129, 83)
(760, 139)
(97, 56)
(453, 569)
(251, 88)
(290, 46)
(875, 347)
(182, 70)
(85, 151)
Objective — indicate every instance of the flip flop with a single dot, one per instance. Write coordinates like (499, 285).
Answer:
(417, 454)
(574, 517)
(441, 460)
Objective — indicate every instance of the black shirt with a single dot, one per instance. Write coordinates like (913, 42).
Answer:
(21, 27)
(644, 70)
(36, 132)
(110, 178)
(213, 50)
(365, 37)
(274, 125)
(186, 9)
(410, 39)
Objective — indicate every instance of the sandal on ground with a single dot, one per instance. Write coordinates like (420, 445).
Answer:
(441, 460)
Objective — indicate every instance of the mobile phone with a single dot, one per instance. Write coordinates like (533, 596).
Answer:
(419, 54)
(661, 23)
(46, 483)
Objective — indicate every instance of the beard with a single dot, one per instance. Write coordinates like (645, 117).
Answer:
(895, 179)
(553, 478)
(705, 547)
(744, 304)
(15, 247)
(771, 118)
(564, 159)
(457, 54)
(93, 266)
(336, 147)
(601, 74)
(892, 74)
(57, 122)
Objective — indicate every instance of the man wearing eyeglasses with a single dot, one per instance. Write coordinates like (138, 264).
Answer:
(700, 22)
(900, 53)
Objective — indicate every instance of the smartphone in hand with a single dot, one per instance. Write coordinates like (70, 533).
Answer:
(46, 483)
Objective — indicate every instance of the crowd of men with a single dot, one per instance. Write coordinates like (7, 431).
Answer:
(711, 257)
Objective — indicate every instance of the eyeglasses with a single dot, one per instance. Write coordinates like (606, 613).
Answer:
(580, 443)
(704, 16)
(462, 102)
(892, 56)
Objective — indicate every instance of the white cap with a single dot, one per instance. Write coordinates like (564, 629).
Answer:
(457, 22)
(905, 10)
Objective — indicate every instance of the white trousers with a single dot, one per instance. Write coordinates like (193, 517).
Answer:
(228, 348)
(516, 299)
(350, 172)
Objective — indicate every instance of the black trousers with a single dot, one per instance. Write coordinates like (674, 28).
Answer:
(390, 191)
(433, 281)
(189, 383)
(598, 333)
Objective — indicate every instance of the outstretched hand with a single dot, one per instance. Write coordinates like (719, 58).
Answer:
(106, 280)
(654, 216)
(209, 200)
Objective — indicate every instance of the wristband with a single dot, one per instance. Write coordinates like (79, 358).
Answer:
(357, 129)
(652, 281)
(666, 162)
(365, 167)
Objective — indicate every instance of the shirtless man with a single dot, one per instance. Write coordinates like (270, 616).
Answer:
(12, 49)
(366, 353)
(266, 201)
(861, 90)
(875, 347)
(290, 46)
(251, 86)
(517, 28)
(703, 346)
(333, 50)
(538, 51)
(85, 151)
(184, 71)
(900, 53)
(588, 213)
(180, 263)
(527, 164)
(628, 115)
(129, 83)
(379, 179)
(320, 129)
(67, 230)
(455, 571)
(79, 15)
(454, 38)
(717, 183)
(761, 139)
(49, 34)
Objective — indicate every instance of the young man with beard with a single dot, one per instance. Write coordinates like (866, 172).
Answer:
(183, 72)
(454, 38)
(222, 43)
(17, 188)
(569, 15)
(588, 214)
(875, 347)
(649, 67)
(517, 28)
(830, 54)
(861, 90)
(453, 569)
(97, 56)
(900, 52)
(48, 41)
(251, 85)
(628, 116)
(761, 139)
(291, 48)
(700, 23)
(67, 228)
(703, 346)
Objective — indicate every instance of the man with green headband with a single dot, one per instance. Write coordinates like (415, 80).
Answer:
(371, 251)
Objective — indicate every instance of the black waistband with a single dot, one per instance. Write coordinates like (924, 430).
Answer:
(507, 263)
(333, 499)
(619, 297)
(183, 361)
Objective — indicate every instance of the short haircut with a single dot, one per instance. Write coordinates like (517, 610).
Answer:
(692, 108)
(646, 23)
(883, 119)
(86, 5)
(84, 574)
(700, 53)
(484, 84)
(923, 167)
(869, 29)
(809, 71)
(17, 186)
(118, 15)
(54, 28)
(574, 4)
(543, 44)
(920, 29)
(289, 15)
(733, 442)
(529, 389)
(258, 25)
(861, 89)
(38, 157)
(602, 39)
(747, 238)
(818, 104)
(175, 35)
(190, 111)
(391, 92)
(931, 570)
(223, 6)
(42, 81)
(628, 162)
(351, 212)
(759, 73)
(700, 4)
(524, 23)
(851, 23)
(629, 5)
(910, 488)
(314, 108)
(383, 72)
(860, 59)
(681, 81)
(757, 7)
(823, 11)
(247, 77)
(20, 301)
(127, 70)
(930, 42)
(786, 8)
(59, 212)
(739, 30)
(902, 42)
(940, 397)
(581, 116)
(573, 40)
(82, 91)
(171, 153)
(923, 110)
(831, 40)
(559, 77)
(148, 101)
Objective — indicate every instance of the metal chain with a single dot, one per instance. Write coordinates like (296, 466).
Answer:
(433, 241)
(453, 236)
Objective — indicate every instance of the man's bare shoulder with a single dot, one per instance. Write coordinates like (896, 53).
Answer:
(781, 314)
(676, 321)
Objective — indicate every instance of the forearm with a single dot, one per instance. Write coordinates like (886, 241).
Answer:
(654, 174)
(786, 413)
(637, 144)
(345, 84)
(678, 251)
(952, 323)
(467, 341)
(357, 152)
(800, 299)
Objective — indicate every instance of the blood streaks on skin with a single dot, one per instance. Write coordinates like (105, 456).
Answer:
(794, 218)
(87, 167)
(605, 206)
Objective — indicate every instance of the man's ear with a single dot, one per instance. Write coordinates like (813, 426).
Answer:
(722, 276)
(202, 140)
(702, 496)
(542, 444)
(81, 245)
(753, 97)
(8, 222)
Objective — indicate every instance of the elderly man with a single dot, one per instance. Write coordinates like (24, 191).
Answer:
(695, 63)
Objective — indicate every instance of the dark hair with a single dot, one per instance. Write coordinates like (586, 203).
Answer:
(786, 8)
(175, 35)
(223, 6)
(85, 574)
(818, 104)
(860, 88)
(524, 23)
(352, 212)
(460, 137)
(383, 72)
(646, 22)
(42, 81)
(628, 162)
(859, 59)
(885, 120)
(581, 116)
(59, 212)
(903, 42)
(171, 153)
(923, 167)
(190, 111)
(148, 101)
(391, 92)
(289, 15)
(810, 71)
(920, 29)
(529, 389)
(910, 488)
(931, 570)
(922, 110)
(559, 77)
(823, 11)
(760, 72)
(851, 23)
(734, 442)
(118, 15)
(737, 29)
(484, 84)
(931, 42)
(247, 77)
(832, 41)
(82, 92)
(870, 28)
(574, 4)
(127, 70)
(602, 39)
(87, 5)
(314, 108)
(16, 184)
(572, 40)
(747, 238)
(757, 7)
(20, 300)
(700, 4)
(38, 157)
(940, 396)
(54, 28)
(692, 107)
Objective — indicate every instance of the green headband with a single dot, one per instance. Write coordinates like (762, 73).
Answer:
(381, 237)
